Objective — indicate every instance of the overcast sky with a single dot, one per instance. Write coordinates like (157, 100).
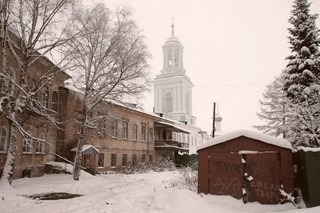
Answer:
(232, 49)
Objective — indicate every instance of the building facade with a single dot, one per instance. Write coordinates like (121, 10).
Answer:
(31, 154)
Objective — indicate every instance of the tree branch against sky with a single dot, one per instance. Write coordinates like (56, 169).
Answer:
(34, 30)
(273, 109)
(109, 62)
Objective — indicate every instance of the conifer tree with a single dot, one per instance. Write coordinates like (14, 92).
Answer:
(302, 77)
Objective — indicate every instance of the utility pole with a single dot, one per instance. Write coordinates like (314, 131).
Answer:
(214, 119)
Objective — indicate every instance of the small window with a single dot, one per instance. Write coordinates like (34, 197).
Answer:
(113, 160)
(143, 158)
(134, 159)
(143, 132)
(27, 144)
(157, 134)
(150, 135)
(54, 102)
(44, 96)
(124, 160)
(101, 160)
(40, 145)
(114, 128)
(134, 132)
(125, 130)
(3, 139)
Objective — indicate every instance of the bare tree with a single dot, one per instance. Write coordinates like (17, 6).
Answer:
(32, 30)
(110, 60)
(274, 109)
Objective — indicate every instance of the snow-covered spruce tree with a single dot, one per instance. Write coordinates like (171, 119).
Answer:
(302, 77)
(110, 61)
(273, 109)
(31, 30)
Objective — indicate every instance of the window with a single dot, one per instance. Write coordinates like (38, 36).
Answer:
(101, 160)
(150, 158)
(143, 132)
(40, 145)
(134, 132)
(113, 159)
(134, 159)
(168, 102)
(174, 136)
(3, 139)
(124, 160)
(151, 135)
(44, 96)
(54, 103)
(158, 134)
(143, 158)
(125, 130)
(78, 123)
(7, 85)
(27, 144)
(114, 128)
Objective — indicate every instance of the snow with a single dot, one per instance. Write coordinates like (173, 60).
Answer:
(250, 134)
(149, 192)
(86, 147)
(308, 149)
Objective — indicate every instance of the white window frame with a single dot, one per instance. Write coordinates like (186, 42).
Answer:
(3, 138)
(27, 144)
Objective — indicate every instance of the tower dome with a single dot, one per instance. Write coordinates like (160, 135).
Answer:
(172, 40)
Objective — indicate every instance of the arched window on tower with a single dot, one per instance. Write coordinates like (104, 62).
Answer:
(176, 58)
(169, 58)
(168, 105)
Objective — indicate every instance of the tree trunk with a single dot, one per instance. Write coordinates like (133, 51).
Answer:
(78, 157)
(7, 174)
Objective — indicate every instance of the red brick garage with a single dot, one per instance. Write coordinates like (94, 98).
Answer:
(246, 164)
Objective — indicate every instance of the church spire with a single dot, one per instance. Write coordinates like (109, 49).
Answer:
(172, 27)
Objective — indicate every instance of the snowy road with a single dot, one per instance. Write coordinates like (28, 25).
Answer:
(117, 193)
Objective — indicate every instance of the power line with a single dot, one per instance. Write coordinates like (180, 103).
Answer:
(231, 85)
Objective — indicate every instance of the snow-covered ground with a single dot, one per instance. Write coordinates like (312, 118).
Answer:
(149, 192)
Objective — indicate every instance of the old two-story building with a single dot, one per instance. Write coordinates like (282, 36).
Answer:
(127, 137)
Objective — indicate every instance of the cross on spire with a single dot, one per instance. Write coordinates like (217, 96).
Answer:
(172, 26)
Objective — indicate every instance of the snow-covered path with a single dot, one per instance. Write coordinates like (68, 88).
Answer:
(150, 192)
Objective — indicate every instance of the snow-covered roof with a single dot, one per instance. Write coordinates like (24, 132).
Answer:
(250, 134)
(173, 125)
(87, 149)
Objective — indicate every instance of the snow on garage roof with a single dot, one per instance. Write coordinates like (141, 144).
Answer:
(250, 134)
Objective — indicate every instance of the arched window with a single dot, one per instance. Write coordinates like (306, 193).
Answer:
(168, 102)
(54, 102)
(3, 139)
(44, 96)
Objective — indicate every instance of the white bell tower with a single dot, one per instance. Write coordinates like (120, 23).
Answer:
(173, 88)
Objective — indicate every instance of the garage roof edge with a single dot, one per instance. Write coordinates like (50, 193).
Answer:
(250, 134)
